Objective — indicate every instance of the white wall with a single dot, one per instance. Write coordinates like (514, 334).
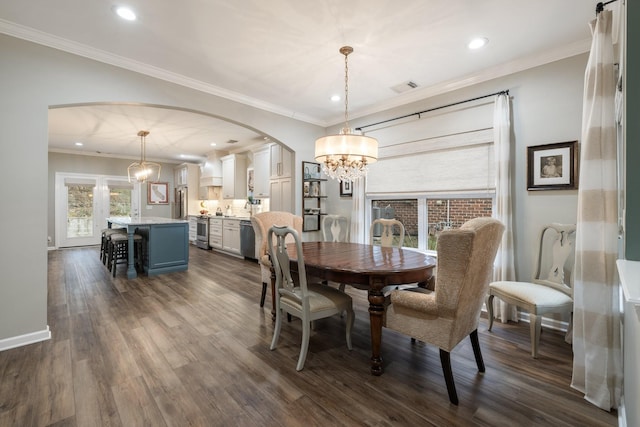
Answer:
(33, 79)
(546, 108)
(74, 163)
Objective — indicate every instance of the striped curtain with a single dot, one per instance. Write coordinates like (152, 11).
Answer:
(504, 264)
(596, 335)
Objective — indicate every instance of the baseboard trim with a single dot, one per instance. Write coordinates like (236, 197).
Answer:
(523, 316)
(26, 339)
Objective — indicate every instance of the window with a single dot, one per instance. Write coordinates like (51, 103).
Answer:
(425, 216)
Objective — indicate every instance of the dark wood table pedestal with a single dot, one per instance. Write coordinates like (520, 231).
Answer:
(366, 267)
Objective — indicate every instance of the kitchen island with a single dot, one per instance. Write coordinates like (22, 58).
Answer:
(166, 243)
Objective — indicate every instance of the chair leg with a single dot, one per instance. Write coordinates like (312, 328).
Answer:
(276, 331)
(350, 319)
(445, 360)
(535, 325)
(475, 343)
(489, 305)
(263, 295)
(304, 347)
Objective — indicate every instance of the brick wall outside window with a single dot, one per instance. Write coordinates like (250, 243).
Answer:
(443, 213)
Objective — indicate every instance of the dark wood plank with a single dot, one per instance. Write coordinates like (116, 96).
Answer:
(192, 348)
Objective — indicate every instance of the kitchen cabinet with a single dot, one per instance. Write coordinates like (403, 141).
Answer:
(215, 233)
(281, 161)
(313, 196)
(231, 235)
(261, 173)
(234, 176)
(281, 195)
(209, 193)
(193, 229)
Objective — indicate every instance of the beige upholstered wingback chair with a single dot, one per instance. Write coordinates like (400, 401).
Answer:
(551, 290)
(261, 223)
(452, 312)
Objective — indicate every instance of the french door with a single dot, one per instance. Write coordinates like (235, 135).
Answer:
(83, 202)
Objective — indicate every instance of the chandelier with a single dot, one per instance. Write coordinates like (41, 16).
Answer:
(345, 156)
(143, 169)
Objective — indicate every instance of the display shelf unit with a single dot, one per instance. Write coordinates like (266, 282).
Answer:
(313, 196)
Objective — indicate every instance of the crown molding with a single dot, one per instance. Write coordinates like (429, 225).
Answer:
(498, 71)
(39, 37)
(521, 64)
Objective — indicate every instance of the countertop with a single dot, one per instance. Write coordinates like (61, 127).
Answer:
(147, 220)
(245, 218)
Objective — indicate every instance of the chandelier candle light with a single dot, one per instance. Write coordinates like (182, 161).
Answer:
(345, 156)
(143, 170)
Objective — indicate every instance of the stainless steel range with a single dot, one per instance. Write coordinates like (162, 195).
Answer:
(202, 233)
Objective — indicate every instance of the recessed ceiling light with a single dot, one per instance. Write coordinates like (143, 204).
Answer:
(126, 13)
(213, 144)
(79, 144)
(478, 42)
(335, 98)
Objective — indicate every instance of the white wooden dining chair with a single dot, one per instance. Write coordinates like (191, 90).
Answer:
(335, 228)
(307, 301)
(391, 232)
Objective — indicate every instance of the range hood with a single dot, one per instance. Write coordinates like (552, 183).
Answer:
(211, 171)
(210, 181)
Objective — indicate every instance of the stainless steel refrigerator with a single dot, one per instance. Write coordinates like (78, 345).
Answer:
(180, 209)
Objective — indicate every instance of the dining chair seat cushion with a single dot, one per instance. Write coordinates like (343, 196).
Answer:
(321, 297)
(533, 297)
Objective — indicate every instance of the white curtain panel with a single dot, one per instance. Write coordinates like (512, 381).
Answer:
(356, 232)
(596, 332)
(504, 264)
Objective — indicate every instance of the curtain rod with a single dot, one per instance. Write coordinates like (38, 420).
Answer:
(502, 92)
(600, 6)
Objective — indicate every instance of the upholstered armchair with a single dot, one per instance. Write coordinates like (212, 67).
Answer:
(261, 223)
(452, 312)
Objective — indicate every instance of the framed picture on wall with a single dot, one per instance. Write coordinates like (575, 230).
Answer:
(553, 166)
(158, 193)
(346, 189)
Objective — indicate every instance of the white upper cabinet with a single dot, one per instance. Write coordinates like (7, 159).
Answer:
(281, 162)
(261, 173)
(234, 176)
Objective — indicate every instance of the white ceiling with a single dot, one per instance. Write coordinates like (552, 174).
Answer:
(282, 55)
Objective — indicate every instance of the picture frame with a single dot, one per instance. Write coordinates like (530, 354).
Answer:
(346, 189)
(553, 166)
(158, 193)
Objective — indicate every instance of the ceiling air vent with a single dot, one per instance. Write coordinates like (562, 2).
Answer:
(232, 141)
(404, 87)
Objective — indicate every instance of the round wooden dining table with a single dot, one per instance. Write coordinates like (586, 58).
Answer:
(368, 267)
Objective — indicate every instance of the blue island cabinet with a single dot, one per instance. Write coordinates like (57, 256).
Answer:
(166, 243)
(167, 248)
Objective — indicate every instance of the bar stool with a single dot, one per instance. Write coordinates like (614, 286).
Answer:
(106, 237)
(119, 251)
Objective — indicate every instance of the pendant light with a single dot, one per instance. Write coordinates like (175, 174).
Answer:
(143, 170)
(345, 156)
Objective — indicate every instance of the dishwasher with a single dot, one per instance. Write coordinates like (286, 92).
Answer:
(247, 239)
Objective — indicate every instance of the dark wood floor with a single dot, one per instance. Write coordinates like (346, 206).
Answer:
(192, 348)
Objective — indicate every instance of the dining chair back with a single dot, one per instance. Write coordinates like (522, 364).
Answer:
(261, 223)
(294, 296)
(391, 232)
(551, 290)
(452, 311)
(335, 228)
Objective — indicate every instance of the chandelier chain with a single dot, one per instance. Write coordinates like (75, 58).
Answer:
(346, 91)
